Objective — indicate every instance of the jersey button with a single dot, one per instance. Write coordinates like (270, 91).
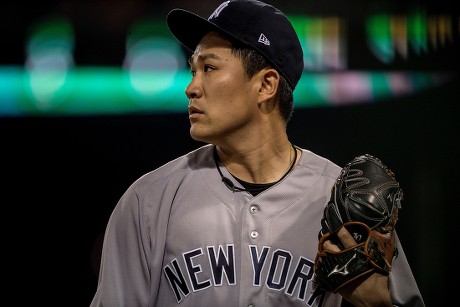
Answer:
(254, 209)
(254, 234)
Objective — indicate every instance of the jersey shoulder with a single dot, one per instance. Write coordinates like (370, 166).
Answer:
(313, 162)
(178, 167)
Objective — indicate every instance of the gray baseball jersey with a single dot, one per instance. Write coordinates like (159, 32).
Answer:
(179, 236)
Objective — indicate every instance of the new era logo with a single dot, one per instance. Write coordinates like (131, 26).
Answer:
(263, 39)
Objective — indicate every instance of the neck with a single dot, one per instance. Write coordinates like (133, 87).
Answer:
(252, 188)
(261, 165)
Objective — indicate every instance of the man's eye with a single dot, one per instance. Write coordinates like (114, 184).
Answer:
(193, 73)
(207, 68)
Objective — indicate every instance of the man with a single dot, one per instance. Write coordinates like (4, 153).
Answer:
(234, 222)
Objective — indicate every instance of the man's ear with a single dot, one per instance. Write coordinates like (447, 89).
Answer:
(269, 84)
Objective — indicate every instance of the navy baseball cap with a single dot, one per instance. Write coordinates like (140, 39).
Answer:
(256, 24)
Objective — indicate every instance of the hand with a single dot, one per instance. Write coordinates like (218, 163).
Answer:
(371, 290)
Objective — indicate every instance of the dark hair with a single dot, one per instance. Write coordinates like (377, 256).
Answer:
(254, 62)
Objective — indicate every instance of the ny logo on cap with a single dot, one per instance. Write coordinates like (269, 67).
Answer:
(263, 39)
(216, 13)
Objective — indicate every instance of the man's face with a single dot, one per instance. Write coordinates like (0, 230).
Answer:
(223, 101)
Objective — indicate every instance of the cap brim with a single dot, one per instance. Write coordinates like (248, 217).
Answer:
(188, 27)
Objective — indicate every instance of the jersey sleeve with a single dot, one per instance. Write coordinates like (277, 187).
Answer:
(124, 276)
(403, 287)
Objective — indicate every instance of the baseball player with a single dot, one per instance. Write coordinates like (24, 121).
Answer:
(234, 222)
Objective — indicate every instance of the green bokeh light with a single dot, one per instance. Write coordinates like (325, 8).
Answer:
(154, 73)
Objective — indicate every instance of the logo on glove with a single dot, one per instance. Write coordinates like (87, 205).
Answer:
(343, 270)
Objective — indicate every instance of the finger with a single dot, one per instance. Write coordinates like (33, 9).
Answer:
(330, 246)
(346, 238)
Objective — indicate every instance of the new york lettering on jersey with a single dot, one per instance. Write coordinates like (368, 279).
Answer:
(283, 271)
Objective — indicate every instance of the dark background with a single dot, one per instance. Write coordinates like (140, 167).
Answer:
(62, 176)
